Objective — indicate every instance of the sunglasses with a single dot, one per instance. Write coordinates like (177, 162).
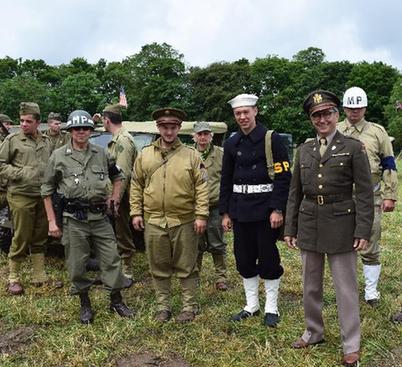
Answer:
(85, 128)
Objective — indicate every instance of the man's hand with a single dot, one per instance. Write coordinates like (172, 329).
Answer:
(291, 242)
(116, 203)
(54, 230)
(200, 225)
(388, 205)
(226, 223)
(138, 223)
(360, 244)
(276, 219)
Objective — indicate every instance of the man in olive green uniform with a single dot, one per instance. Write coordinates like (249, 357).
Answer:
(5, 122)
(323, 220)
(383, 170)
(80, 172)
(169, 197)
(212, 240)
(57, 137)
(122, 149)
(23, 158)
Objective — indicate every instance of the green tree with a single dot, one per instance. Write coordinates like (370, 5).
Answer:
(212, 87)
(78, 91)
(156, 77)
(377, 79)
(8, 68)
(23, 88)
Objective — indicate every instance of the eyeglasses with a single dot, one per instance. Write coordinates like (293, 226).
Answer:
(85, 128)
(316, 116)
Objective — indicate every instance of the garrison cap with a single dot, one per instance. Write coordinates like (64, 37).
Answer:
(114, 108)
(169, 116)
(54, 116)
(243, 100)
(29, 108)
(320, 100)
(5, 118)
(201, 126)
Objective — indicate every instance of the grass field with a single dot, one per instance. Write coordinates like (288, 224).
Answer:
(41, 328)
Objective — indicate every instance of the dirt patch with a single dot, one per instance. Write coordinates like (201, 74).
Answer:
(393, 360)
(14, 340)
(151, 360)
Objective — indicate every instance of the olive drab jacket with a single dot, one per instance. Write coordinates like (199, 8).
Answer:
(169, 188)
(80, 175)
(380, 154)
(320, 211)
(122, 149)
(23, 160)
(213, 164)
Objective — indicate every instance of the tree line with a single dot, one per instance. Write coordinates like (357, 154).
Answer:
(158, 76)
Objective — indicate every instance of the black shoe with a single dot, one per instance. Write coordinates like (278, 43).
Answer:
(243, 314)
(271, 319)
(86, 313)
(117, 305)
(373, 302)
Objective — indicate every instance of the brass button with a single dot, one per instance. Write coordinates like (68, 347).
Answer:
(320, 187)
(349, 210)
(341, 164)
(321, 164)
(319, 175)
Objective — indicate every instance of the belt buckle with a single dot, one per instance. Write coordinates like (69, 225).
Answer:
(320, 200)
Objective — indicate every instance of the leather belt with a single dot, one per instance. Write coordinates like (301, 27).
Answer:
(253, 189)
(328, 199)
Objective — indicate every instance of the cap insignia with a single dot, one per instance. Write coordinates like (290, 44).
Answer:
(317, 98)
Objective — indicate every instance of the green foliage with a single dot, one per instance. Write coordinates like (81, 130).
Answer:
(377, 79)
(157, 77)
(393, 113)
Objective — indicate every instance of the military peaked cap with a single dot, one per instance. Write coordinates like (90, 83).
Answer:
(319, 100)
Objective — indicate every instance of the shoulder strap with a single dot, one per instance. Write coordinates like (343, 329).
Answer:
(268, 154)
(155, 167)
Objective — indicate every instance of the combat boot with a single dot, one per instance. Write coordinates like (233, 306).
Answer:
(14, 286)
(117, 305)
(38, 269)
(86, 313)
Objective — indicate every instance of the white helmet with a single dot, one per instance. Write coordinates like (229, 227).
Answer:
(355, 97)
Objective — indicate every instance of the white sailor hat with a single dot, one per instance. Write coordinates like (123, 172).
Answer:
(243, 100)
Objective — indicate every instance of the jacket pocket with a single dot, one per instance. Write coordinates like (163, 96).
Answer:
(98, 172)
(340, 162)
(343, 207)
(307, 207)
(305, 170)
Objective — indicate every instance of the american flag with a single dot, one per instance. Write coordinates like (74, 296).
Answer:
(398, 105)
(122, 98)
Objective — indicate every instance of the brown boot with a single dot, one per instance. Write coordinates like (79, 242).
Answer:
(15, 288)
(185, 316)
(163, 316)
(39, 276)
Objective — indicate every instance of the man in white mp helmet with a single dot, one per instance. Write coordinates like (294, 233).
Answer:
(383, 170)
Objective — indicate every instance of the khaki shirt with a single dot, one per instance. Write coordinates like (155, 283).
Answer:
(78, 174)
(213, 164)
(122, 149)
(378, 146)
(169, 188)
(57, 141)
(23, 161)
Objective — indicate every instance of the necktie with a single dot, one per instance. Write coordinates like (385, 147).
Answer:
(323, 146)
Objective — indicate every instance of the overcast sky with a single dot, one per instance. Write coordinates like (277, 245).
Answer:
(205, 31)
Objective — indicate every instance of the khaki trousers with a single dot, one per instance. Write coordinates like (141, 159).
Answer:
(124, 236)
(343, 270)
(30, 226)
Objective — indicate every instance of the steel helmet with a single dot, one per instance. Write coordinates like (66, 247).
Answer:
(79, 118)
(355, 97)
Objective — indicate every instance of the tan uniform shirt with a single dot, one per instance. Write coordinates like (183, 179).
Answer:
(122, 149)
(57, 141)
(23, 161)
(378, 146)
(213, 164)
(169, 188)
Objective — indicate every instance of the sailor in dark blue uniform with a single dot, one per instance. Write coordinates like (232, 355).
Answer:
(253, 204)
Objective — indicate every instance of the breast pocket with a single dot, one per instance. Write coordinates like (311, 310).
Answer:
(340, 162)
(73, 179)
(305, 172)
(99, 172)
